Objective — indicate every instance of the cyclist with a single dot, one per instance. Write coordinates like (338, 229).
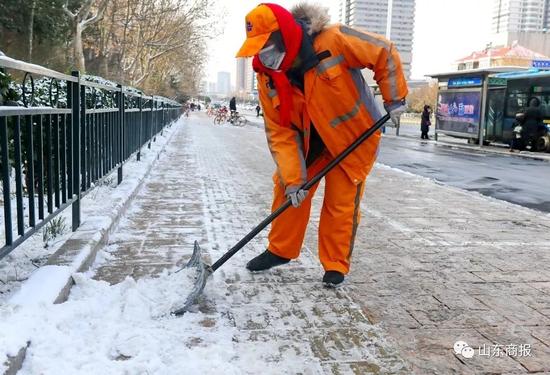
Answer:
(232, 109)
(233, 105)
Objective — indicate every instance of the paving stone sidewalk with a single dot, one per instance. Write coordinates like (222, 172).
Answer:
(432, 265)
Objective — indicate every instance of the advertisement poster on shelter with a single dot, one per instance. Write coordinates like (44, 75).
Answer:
(459, 112)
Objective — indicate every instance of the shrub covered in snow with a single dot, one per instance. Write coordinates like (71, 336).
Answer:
(55, 228)
(8, 94)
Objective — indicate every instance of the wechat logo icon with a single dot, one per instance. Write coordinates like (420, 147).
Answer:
(462, 348)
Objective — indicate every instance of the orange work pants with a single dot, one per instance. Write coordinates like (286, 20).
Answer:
(340, 217)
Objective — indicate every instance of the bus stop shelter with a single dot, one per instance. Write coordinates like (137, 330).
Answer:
(461, 105)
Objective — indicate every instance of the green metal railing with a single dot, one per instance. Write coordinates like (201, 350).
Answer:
(53, 155)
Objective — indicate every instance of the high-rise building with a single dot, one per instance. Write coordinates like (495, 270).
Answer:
(224, 83)
(526, 22)
(245, 75)
(241, 74)
(211, 87)
(520, 16)
(393, 19)
(203, 87)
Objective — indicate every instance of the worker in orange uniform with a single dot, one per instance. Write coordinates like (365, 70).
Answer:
(316, 103)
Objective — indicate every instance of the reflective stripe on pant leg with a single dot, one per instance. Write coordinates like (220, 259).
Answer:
(356, 218)
(338, 218)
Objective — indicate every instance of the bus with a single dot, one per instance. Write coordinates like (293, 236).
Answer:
(508, 95)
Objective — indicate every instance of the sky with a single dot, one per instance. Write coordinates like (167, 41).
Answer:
(445, 30)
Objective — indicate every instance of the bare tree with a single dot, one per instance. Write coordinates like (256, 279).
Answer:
(417, 98)
(81, 19)
(154, 44)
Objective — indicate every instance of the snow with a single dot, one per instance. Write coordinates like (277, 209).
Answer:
(126, 328)
(114, 329)
(97, 207)
(123, 328)
(43, 286)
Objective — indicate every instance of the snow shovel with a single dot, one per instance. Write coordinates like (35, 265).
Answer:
(204, 270)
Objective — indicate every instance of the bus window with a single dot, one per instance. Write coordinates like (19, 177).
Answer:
(517, 102)
(545, 104)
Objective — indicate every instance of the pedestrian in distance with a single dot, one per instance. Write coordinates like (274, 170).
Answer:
(233, 105)
(425, 122)
(533, 125)
(315, 103)
(517, 133)
(258, 108)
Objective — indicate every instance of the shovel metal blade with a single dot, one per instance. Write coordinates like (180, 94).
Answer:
(203, 272)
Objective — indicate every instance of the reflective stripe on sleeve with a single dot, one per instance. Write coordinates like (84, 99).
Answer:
(301, 157)
(392, 76)
(367, 98)
(273, 154)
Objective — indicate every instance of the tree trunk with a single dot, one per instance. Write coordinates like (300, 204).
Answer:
(104, 66)
(78, 50)
(31, 30)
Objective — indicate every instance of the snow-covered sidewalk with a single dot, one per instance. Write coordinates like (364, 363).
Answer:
(99, 207)
(432, 265)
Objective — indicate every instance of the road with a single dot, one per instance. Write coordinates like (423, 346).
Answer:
(521, 181)
(517, 180)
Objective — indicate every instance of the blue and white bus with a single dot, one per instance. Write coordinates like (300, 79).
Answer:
(509, 94)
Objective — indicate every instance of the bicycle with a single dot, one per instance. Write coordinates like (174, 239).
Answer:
(236, 119)
(220, 117)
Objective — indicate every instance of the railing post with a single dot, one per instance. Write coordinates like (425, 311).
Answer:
(86, 143)
(140, 101)
(151, 123)
(163, 119)
(75, 117)
(6, 179)
(120, 153)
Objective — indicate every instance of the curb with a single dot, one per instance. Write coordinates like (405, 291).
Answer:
(54, 280)
(533, 156)
(16, 362)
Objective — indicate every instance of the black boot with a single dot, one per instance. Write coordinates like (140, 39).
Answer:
(332, 279)
(265, 261)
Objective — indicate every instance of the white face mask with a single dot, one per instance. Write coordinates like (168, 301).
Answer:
(271, 57)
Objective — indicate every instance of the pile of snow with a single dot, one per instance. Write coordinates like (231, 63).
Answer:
(107, 329)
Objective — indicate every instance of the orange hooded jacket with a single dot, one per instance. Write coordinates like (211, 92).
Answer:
(336, 100)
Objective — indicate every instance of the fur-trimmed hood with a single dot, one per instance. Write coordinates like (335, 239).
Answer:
(315, 16)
